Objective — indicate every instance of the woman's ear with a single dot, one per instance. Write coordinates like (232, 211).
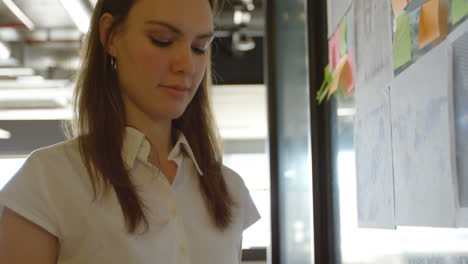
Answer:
(105, 24)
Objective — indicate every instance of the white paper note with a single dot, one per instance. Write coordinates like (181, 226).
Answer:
(462, 217)
(374, 172)
(423, 142)
(336, 10)
(373, 39)
(460, 92)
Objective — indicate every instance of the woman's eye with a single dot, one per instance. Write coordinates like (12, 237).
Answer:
(198, 51)
(160, 43)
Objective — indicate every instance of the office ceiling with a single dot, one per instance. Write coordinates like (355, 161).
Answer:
(54, 29)
(44, 13)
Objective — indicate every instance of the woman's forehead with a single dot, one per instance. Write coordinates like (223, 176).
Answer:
(180, 13)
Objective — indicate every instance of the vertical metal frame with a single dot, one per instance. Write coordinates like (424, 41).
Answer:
(326, 242)
(273, 149)
(326, 235)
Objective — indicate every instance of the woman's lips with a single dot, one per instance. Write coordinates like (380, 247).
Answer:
(177, 91)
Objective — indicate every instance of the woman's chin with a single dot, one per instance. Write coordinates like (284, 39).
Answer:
(173, 114)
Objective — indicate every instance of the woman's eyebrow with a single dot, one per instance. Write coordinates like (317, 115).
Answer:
(176, 30)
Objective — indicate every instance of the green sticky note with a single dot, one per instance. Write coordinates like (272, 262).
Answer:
(459, 10)
(402, 41)
(343, 33)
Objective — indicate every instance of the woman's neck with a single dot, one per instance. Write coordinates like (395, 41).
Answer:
(159, 135)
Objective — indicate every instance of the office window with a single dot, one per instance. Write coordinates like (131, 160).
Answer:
(253, 168)
(9, 166)
(240, 112)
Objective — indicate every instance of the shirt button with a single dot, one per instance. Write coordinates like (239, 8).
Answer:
(182, 251)
(174, 213)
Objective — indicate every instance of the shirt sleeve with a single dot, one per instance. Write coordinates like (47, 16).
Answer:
(251, 214)
(28, 195)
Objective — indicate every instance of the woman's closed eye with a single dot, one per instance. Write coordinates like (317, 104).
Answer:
(161, 43)
(199, 51)
(166, 43)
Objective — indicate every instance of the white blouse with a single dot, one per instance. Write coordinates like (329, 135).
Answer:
(53, 190)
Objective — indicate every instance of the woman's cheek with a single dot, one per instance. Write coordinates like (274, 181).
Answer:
(150, 63)
(201, 71)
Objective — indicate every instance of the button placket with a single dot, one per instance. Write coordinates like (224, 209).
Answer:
(174, 213)
(179, 227)
(182, 251)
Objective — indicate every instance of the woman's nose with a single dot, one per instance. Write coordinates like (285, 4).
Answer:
(183, 60)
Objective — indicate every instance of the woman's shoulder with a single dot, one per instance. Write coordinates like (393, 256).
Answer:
(54, 167)
(55, 156)
(57, 150)
(232, 178)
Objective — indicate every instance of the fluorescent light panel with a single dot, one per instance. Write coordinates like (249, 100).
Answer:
(30, 78)
(19, 14)
(36, 94)
(4, 134)
(36, 84)
(16, 71)
(4, 51)
(44, 114)
(78, 13)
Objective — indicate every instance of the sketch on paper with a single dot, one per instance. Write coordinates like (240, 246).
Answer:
(423, 142)
(373, 28)
(375, 195)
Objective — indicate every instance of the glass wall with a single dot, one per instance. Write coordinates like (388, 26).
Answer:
(405, 245)
(290, 155)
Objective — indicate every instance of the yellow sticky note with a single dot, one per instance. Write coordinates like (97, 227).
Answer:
(433, 22)
(398, 6)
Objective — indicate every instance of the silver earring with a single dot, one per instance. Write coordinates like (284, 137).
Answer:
(113, 63)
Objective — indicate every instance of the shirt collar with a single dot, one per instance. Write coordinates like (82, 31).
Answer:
(136, 145)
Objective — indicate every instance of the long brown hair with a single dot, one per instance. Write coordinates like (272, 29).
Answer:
(99, 125)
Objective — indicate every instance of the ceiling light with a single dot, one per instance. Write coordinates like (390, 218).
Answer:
(19, 14)
(241, 17)
(16, 71)
(238, 17)
(35, 114)
(242, 42)
(10, 34)
(5, 52)
(249, 4)
(78, 13)
(30, 78)
(31, 94)
(4, 134)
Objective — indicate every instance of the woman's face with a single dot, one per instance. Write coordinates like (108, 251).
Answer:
(162, 53)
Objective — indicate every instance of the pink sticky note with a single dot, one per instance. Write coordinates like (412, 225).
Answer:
(398, 6)
(334, 50)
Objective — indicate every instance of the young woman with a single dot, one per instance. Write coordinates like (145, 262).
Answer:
(142, 180)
